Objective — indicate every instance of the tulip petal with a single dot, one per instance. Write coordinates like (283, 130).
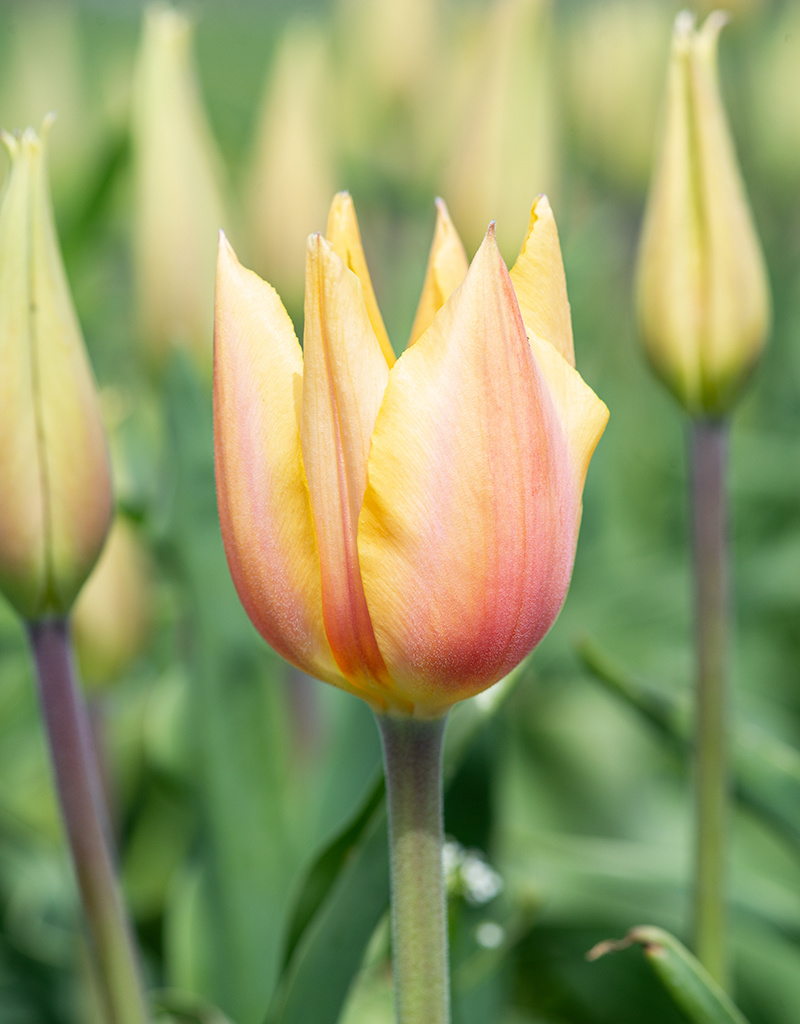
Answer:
(582, 415)
(469, 522)
(22, 510)
(344, 380)
(79, 498)
(447, 268)
(539, 282)
(343, 234)
(262, 494)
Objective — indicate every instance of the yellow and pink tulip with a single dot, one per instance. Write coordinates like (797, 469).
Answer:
(403, 529)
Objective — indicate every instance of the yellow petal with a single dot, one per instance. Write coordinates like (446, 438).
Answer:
(343, 234)
(262, 495)
(469, 524)
(57, 501)
(580, 412)
(538, 277)
(447, 268)
(344, 379)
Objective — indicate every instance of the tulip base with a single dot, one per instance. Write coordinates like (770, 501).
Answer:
(412, 753)
(84, 814)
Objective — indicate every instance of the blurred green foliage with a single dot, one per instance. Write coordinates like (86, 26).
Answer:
(227, 773)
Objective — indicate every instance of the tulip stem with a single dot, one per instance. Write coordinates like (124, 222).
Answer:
(84, 814)
(708, 460)
(412, 756)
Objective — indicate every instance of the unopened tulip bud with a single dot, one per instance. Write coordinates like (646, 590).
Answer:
(56, 492)
(179, 207)
(292, 175)
(702, 286)
(111, 618)
(506, 144)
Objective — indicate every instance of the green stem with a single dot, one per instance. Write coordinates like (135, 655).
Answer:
(84, 814)
(412, 756)
(708, 457)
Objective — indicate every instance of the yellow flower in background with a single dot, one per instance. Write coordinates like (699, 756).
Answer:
(57, 504)
(403, 529)
(292, 176)
(387, 84)
(614, 65)
(505, 141)
(178, 202)
(111, 617)
(703, 296)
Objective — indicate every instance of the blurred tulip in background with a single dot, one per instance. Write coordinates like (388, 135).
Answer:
(292, 175)
(112, 614)
(178, 206)
(614, 74)
(504, 140)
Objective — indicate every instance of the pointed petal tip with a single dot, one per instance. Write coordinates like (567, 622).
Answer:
(317, 241)
(542, 205)
(226, 255)
(684, 24)
(10, 141)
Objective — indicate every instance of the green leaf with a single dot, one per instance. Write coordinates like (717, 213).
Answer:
(683, 976)
(322, 874)
(766, 770)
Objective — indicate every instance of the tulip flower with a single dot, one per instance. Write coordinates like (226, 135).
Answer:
(111, 618)
(57, 503)
(404, 529)
(178, 194)
(506, 120)
(702, 287)
(615, 61)
(54, 516)
(292, 175)
(704, 313)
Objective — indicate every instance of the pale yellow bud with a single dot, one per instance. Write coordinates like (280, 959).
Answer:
(703, 296)
(112, 615)
(56, 488)
(505, 148)
(179, 209)
(292, 177)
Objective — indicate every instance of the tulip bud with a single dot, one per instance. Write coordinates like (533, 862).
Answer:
(179, 207)
(615, 61)
(56, 504)
(702, 287)
(111, 618)
(292, 175)
(506, 143)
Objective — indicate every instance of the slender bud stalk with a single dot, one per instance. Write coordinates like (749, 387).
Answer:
(412, 754)
(83, 811)
(708, 459)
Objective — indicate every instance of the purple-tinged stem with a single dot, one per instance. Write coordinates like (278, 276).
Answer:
(709, 520)
(83, 811)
